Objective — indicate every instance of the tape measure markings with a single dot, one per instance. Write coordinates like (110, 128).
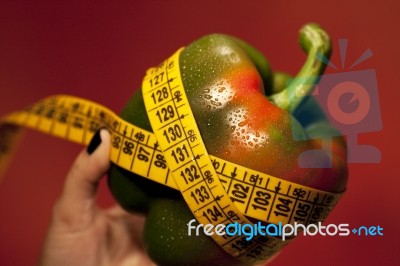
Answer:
(48, 112)
(199, 195)
(90, 112)
(186, 153)
(297, 193)
(138, 151)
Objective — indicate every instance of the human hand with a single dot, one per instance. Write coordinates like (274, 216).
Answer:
(81, 233)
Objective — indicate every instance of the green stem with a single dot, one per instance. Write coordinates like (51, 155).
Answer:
(316, 43)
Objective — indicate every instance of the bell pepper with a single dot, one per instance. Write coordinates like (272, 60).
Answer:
(247, 115)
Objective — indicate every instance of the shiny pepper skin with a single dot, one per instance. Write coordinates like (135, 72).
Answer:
(246, 115)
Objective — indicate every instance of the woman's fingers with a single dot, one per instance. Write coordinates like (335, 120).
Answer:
(76, 206)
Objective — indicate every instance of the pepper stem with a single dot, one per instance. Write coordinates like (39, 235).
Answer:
(316, 43)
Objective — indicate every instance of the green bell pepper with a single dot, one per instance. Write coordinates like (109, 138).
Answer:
(247, 115)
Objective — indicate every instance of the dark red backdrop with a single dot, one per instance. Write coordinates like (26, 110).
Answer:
(100, 51)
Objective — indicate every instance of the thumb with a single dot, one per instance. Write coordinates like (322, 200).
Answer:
(76, 206)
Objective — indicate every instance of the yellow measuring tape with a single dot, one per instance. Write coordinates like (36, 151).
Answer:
(217, 191)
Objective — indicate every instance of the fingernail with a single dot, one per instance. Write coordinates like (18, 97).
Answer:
(94, 143)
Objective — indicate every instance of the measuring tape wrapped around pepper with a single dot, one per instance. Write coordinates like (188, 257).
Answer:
(200, 140)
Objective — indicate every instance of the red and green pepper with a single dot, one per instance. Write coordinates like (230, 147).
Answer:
(247, 115)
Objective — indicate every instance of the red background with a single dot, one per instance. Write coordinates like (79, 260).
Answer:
(100, 51)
